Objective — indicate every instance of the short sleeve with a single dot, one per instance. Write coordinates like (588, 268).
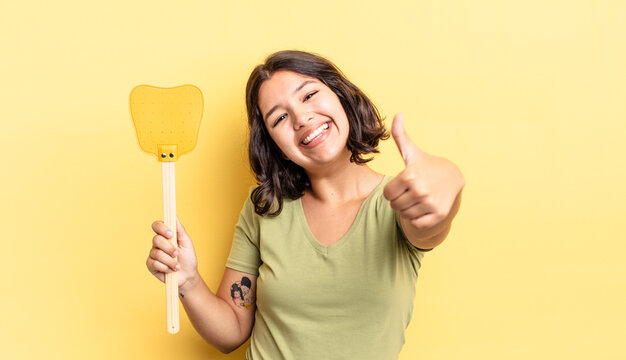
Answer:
(414, 253)
(244, 252)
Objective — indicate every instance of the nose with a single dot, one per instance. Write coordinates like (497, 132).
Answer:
(301, 119)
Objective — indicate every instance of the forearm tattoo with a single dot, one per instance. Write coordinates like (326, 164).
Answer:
(241, 293)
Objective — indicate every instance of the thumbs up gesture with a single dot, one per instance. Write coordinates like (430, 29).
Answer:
(426, 193)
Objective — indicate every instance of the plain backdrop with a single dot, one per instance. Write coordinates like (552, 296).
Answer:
(527, 97)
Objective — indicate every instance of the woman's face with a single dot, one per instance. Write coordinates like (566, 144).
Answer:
(305, 119)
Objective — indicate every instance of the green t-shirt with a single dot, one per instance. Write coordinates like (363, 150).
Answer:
(350, 300)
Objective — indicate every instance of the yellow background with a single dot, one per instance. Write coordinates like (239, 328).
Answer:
(527, 97)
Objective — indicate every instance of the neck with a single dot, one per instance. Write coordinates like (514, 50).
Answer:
(342, 182)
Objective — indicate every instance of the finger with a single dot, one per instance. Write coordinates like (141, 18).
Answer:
(426, 221)
(411, 208)
(160, 276)
(155, 269)
(406, 147)
(414, 212)
(157, 266)
(405, 201)
(165, 245)
(163, 258)
(160, 228)
(395, 188)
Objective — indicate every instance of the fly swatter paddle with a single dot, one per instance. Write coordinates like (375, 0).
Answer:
(167, 122)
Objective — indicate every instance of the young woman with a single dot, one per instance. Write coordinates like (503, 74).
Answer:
(326, 252)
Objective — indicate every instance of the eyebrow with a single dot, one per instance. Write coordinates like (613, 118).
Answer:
(294, 92)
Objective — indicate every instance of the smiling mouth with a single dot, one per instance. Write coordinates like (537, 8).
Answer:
(317, 132)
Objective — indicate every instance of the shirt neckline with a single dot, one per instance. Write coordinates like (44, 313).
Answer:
(323, 249)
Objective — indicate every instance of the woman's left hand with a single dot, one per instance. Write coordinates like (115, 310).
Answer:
(426, 193)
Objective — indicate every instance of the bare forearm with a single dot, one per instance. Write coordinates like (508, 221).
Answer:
(211, 316)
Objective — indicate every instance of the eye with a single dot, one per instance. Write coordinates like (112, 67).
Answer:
(279, 119)
(310, 95)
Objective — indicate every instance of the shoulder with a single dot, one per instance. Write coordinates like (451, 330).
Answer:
(248, 210)
(377, 198)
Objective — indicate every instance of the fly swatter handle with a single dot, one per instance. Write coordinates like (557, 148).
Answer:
(169, 217)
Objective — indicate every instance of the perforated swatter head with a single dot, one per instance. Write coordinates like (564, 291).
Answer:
(166, 119)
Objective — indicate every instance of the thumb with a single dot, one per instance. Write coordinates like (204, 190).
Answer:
(181, 234)
(407, 148)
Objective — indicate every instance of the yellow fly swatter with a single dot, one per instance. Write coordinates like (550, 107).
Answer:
(167, 122)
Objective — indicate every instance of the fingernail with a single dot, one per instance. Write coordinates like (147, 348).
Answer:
(177, 267)
(175, 254)
(168, 233)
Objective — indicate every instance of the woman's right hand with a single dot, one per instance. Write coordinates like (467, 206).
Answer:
(161, 259)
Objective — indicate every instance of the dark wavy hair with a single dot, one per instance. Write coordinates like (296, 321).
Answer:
(278, 177)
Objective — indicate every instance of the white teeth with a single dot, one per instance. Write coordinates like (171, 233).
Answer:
(315, 133)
